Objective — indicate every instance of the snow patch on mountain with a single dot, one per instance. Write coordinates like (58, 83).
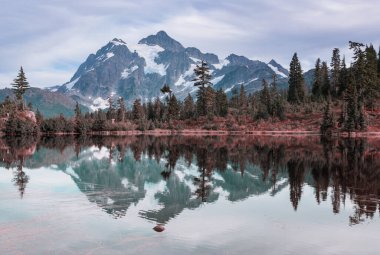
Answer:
(222, 63)
(150, 53)
(196, 60)
(180, 81)
(190, 72)
(99, 103)
(71, 84)
(109, 55)
(217, 79)
(254, 79)
(229, 89)
(275, 69)
(127, 71)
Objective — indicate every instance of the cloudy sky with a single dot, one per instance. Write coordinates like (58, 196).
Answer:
(50, 38)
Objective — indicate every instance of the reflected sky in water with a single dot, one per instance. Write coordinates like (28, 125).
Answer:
(213, 195)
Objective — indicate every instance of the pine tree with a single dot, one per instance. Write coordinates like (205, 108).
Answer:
(100, 121)
(326, 89)
(173, 108)
(121, 110)
(359, 69)
(343, 77)
(372, 90)
(80, 124)
(201, 80)
(111, 113)
(351, 97)
(39, 117)
(243, 102)
(150, 111)
(317, 84)
(265, 97)
(77, 111)
(221, 103)
(328, 119)
(296, 93)
(234, 101)
(20, 85)
(335, 72)
(137, 110)
(157, 106)
(210, 108)
(188, 108)
(277, 105)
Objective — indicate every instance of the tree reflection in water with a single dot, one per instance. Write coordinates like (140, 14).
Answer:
(114, 172)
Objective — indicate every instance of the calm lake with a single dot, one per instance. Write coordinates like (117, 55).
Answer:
(209, 195)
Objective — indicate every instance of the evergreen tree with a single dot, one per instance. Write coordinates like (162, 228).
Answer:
(100, 121)
(150, 111)
(221, 103)
(327, 125)
(234, 101)
(317, 84)
(188, 108)
(173, 108)
(351, 97)
(277, 105)
(210, 95)
(359, 69)
(77, 111)
(265, 97)
(157, 106)
(335, 72)
(137, 110)
(39, 117)
(111, 113)
(296, 93)
(201, 80)
(343, 77)
(264, 104)
(243, 101)
(372, 90)
(20, 85)
(121, 110)
(326, 89)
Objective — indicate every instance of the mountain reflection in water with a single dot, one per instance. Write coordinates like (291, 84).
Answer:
(183, 172)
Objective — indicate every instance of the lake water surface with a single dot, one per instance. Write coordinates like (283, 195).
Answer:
(212, 195)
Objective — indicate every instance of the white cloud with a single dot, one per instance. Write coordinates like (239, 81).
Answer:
(51, 38)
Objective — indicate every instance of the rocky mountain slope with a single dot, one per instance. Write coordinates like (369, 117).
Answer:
(49, 103)
(139, 71)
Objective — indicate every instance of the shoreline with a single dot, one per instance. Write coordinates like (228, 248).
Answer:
(203, 132)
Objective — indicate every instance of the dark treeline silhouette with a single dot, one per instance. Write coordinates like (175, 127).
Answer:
(337, 169)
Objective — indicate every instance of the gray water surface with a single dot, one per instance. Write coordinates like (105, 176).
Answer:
(213, 195)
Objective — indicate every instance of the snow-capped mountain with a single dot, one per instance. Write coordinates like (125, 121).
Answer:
(139, 71)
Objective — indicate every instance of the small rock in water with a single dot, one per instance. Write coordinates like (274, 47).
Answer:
(159, 228)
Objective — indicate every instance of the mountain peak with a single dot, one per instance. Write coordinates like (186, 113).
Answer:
(163, 40)
(238, 60)
(278, 68)
(273, 62)
(118, 41)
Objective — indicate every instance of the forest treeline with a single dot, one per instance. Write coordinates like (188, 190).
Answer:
(343, 94)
